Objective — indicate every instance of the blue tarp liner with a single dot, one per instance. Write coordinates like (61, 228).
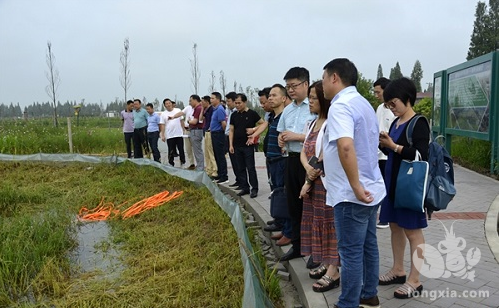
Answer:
(254, 296)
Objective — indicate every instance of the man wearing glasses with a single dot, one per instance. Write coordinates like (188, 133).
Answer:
(292, 127)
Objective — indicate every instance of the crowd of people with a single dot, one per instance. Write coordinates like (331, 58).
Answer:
(332, 162)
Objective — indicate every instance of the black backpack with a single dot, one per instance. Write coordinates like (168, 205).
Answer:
(440, 190)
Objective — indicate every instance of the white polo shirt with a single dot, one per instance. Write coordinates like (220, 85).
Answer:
(351, 116)
(173, 127)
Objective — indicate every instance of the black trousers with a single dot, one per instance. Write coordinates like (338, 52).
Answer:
(174, 144)
(294, 179)
(233, 160)
(245, 157)
(218, 142)
(139, 142)
(153, 143)
(128, 142)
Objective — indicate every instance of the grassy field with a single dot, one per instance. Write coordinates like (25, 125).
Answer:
(182, 254)
(91, 136)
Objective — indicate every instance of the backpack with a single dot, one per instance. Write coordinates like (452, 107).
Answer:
(440, 190)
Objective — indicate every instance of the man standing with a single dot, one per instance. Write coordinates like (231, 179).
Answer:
(231, 108)
(140, 129)
(354, 184)
(385, 118)
(187, 113)
(127, 119)
(172, 128)
(292, 126)
(209, 156)
(153, 131)
(217, 129)
(244, 151)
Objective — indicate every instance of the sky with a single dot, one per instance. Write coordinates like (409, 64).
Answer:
(254, 42)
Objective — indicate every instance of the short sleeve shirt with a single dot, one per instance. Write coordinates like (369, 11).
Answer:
(173, 127)
(351, 116)
(127, 121)
(140, 118)
(296, 118)
(196, 113)
(241, 121)
(217, 118)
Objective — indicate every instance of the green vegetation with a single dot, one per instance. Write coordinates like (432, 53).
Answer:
(182, 254)
(92, 135)
(472, 153)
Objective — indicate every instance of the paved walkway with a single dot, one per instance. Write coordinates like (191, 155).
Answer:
(466, 214)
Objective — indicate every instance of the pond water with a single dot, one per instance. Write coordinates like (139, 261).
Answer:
(95, 251)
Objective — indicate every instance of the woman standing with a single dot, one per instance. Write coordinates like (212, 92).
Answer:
(318, 236)
(400, 96)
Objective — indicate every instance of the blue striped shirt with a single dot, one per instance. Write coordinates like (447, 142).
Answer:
(273, 149)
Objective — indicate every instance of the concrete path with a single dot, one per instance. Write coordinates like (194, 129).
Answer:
(467, 214)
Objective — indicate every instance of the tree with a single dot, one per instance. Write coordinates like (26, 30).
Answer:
(485, 35)
(211, 87)
(417, 75)
(424, 107)
(195, 73)
(396, 72)
(223, 82)
(380, 72)
(125, 78)
(235, 86)
(54, 80)
(365, 88)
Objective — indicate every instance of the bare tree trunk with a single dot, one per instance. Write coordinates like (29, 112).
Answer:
(223, 82)
(211, 88)
(235, 86)
(195, 68)
(125, 78)
(53, 77)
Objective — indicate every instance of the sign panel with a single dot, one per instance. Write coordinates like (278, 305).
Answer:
(437, 100)
(469, 98)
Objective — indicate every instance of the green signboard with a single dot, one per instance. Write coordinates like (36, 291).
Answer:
(468, 96)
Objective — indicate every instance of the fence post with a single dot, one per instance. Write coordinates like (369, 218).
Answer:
(70, 136)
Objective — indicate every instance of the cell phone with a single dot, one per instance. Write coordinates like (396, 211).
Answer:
(314, 162)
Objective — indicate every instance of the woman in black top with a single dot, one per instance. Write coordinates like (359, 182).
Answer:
(400, 96)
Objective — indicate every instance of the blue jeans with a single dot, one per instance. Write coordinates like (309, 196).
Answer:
(358, 249)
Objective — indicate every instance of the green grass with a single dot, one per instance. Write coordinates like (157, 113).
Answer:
(182, 254)
(93, 135)
(472, 153)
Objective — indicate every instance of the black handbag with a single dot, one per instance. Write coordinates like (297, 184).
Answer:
(279, 203)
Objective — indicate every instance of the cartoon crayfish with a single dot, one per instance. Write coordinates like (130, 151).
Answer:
(433, 264)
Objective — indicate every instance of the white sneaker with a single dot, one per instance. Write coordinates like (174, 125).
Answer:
(381, 225)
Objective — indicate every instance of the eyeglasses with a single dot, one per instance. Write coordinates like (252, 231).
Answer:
(391, 104)
(293, 86)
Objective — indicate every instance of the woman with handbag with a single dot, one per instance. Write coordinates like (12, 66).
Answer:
(318, 235)
(400, 96)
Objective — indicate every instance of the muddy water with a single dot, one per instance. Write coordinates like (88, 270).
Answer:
(95, 251)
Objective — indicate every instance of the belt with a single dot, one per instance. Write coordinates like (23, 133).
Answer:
(274, 159)
(218, 132)
(194, 128)
(293, 154)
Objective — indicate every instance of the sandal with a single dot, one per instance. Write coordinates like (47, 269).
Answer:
(326, 283)
(391, 278)
(318, 272)
(407, 290)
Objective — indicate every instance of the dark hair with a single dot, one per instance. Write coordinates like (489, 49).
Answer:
(196, 97)
(165, 100)
(345, 69)
(265, 91)
(206, 98)
(150, 105)
(403, 89)
(243, 97)
(137, 100)
(323, 102)
(284, 92)
(129, 102)
(299, 73)
(382, 82)
(217, 95)
(231, 95)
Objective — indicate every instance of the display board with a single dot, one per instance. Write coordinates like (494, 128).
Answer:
(468, 96)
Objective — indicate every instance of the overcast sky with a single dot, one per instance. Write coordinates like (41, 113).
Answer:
(254, 42)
